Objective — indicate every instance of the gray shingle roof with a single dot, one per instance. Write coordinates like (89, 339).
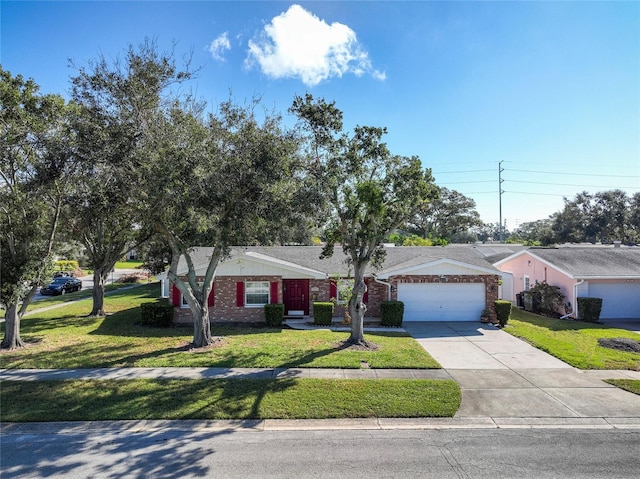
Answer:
(397, 257)
(593, 261)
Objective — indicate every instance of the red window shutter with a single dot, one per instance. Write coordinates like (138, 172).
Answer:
(365, 298)
(175, 296)
(240, 293)
(274, 292)
(212, 296)
(333, 290)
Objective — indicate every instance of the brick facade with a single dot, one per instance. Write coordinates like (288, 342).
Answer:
(225, 308)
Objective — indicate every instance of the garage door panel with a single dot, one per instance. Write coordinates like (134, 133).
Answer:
(619, 300)
(442, 301)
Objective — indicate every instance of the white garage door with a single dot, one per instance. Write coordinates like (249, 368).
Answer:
(442, 301)
(619, 300)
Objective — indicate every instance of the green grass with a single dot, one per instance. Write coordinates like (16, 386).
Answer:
(93, 400)
(66, 337)
(574, 342)
(631, 385)
(128, 264)
(76, 295)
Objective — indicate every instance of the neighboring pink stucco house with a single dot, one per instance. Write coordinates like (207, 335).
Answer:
(607, 272)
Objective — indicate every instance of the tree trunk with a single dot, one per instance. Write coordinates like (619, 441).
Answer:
(357, 308)
(12, 338)
(99, 280)
(201, 327)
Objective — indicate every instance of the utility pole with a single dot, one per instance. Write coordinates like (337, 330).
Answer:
(500, 191)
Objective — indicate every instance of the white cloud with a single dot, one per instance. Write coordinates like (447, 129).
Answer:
(297, 44)
(219, 45)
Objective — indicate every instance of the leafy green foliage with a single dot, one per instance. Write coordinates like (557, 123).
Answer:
(547, 298)
(589, 309)
(116, 104)
(322, 313)
(391, 313)
(604, 217)
(503, 311)
(33, 159)
(447, 215)
(158, 314)
(274, 315)
(369, 191)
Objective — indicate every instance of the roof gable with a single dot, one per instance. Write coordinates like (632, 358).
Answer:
(587, 262)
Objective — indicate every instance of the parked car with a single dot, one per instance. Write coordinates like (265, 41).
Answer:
(62, 285)
(61, 274)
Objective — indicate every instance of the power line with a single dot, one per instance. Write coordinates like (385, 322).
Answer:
(466, 171)
(465, 182)
(568, 184)
(571, 174)
(537, 194)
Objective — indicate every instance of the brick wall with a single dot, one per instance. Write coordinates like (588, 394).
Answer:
(225, 308)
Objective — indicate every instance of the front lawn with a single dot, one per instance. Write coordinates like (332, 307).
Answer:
(574, 342)
(66, 338)
(92, 400)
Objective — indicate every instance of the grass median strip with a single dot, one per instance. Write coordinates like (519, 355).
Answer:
(574, 342)
(93, 400)
(631, 385)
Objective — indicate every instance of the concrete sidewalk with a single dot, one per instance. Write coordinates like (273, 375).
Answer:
(503, 377)
(505, 383)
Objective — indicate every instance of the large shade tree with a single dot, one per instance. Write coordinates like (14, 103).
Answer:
(370, 192)
(447, 215)
(219, 180)
(605, 216)
(33, 159)
(117, 104)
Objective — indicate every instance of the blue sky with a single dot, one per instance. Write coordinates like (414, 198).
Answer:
(551, 89)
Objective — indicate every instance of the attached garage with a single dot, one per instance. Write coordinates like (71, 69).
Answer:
(442, 301)
(619, 300)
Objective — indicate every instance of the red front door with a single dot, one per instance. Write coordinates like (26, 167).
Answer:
(296, 295)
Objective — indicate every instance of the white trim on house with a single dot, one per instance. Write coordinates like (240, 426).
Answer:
(472, 269)
(529, 253)
(560, 270)
(285, 269)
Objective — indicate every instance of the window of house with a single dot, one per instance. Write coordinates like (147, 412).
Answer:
(256, 293)
(183, 303)
(527, 283)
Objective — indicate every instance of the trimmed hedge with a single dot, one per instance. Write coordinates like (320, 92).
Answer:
(158, 314)
(391, 313)
(322, 313)
(589, 309)
(274, 314)
(503, 311)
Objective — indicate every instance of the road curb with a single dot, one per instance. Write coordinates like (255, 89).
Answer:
(260, 425)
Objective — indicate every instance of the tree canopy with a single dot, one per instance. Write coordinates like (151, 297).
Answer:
(369, 191)
(33, 160)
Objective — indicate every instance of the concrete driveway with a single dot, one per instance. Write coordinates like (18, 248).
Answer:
(630, 324)
(504, 377)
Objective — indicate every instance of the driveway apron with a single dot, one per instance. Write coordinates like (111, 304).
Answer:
(502, 376)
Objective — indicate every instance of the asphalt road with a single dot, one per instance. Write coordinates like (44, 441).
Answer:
(87, 281)
(453, 453)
